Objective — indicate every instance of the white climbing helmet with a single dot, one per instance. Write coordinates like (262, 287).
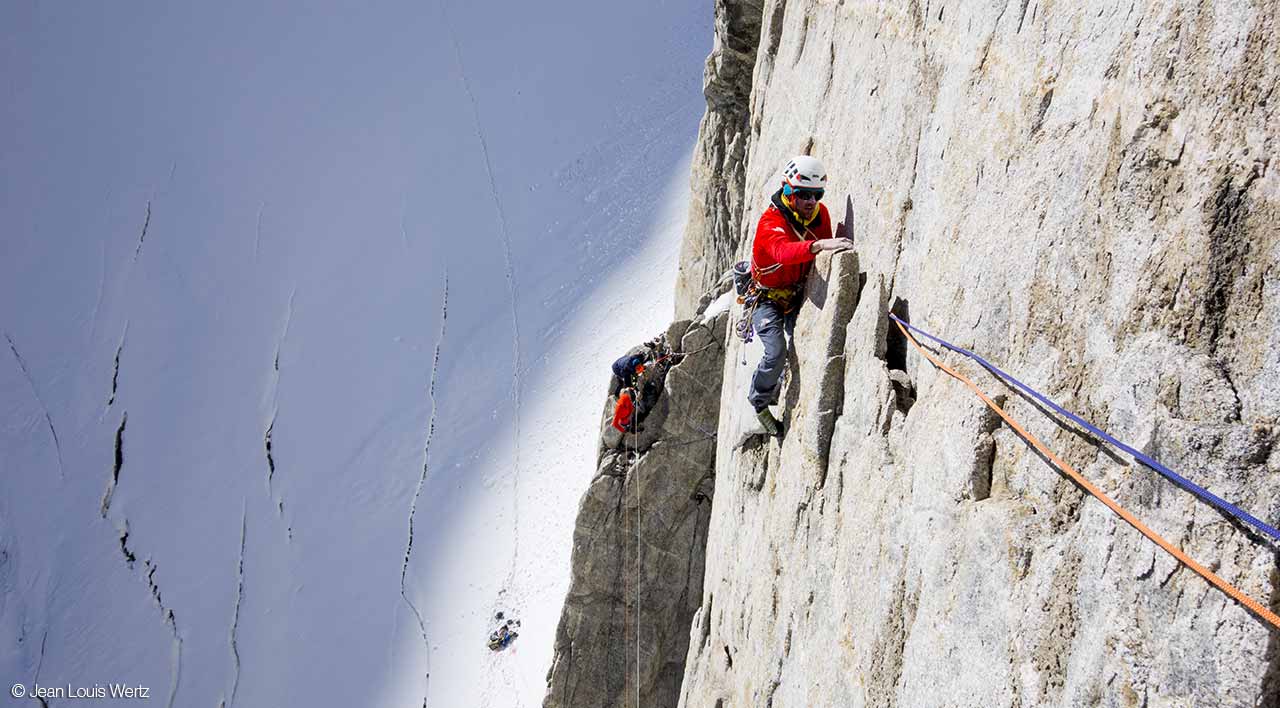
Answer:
(805, 172)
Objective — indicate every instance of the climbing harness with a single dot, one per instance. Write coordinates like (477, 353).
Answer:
(784, 297)
(1079, 479)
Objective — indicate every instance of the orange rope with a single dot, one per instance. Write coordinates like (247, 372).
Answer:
(1133, 521)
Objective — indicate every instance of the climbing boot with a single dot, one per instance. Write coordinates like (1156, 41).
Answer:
(770, 424)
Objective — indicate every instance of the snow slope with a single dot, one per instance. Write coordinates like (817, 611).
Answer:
(307, 320)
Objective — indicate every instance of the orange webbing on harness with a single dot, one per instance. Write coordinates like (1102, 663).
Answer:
(1079, 479)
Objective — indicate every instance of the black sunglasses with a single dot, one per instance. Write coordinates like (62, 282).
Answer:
(815, 194)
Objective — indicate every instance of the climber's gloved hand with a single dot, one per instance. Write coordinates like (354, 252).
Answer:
(831, 244)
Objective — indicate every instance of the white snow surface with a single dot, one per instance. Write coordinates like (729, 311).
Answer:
(407, 239)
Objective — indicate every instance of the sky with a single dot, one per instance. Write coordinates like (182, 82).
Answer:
(399, 241)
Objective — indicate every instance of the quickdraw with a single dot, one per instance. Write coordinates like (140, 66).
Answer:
(745, 328)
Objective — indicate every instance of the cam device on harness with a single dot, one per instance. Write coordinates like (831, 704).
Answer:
(744, 286)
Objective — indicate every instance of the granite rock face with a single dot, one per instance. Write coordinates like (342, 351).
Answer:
(639, 542)
(1086, 194)
(719, 165)
(1083, 193)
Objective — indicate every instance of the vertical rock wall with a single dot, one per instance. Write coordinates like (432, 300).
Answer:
(639, 542)
(720, 157)
(1086, 194)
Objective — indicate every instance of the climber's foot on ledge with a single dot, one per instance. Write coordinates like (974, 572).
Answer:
(771, 425)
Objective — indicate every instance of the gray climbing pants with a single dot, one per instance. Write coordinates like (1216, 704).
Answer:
(773, 328)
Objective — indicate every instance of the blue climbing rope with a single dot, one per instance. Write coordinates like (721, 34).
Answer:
(1204, 494)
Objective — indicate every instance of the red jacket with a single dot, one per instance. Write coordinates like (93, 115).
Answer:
(780, 256)
(623, 411)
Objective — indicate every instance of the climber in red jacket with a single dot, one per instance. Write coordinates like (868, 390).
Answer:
(625, 410)
(791, 232)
